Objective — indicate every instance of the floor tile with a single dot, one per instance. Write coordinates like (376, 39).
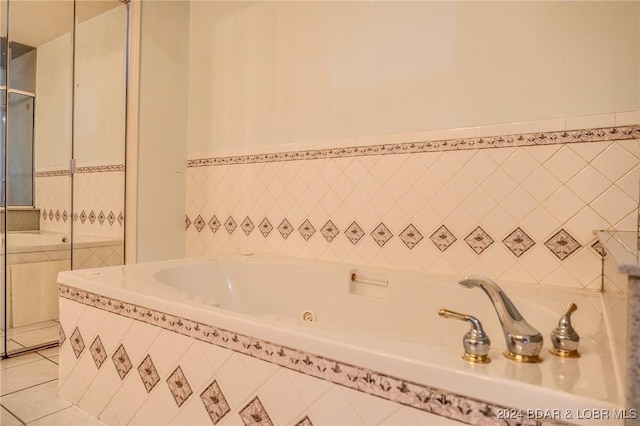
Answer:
(38, 336)
(7, 419)
(71, 416)
(13, 346)
(22, 359)
(34, 402)
(20, 377)
(48, 353)
(31, 327)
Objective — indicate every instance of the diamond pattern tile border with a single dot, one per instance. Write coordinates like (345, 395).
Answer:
(478, 240)
(199, 223)
(230, 225)
(97, 352)
(306, 230)
(518, 242)
(304, 422)
(329, 231)
(215, 402)
(121, 361)
(214, 224)
(285, 228)
(247, 226)
(443, 238)
(77, 343)
(381, 234)
(179, 386)
(148, 373)
(62, 337)
(562, 244)
(255, 414)
(265, 227)
(354, 233)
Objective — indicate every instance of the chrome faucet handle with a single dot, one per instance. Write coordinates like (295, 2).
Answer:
(564, 338)
(476, 342)
(523, 341)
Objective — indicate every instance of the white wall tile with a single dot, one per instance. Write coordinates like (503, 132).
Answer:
(163, 403)
(550, 125)
(627, 118)
(614, 162)
(588, 184)
(541, 188)
(281, 400)
(591, 121)
(370, 409)
(235, 382)
(333, 409)
(465, 132)
(541, 184)
(614, 204)
(501, 129)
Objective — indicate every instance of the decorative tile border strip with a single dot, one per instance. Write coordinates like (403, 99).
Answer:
(562, 244)
(101, 169)
(526, 139)
(98, 219)
(52, 173)
(422, 397)
(84, 169)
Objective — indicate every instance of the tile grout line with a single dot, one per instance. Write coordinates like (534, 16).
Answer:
(55, 412)
(10, 412)
(30, 387)
(47, 358)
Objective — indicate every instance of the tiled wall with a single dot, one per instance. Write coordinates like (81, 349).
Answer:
(517, 202)
(98, 200)
(126, 364)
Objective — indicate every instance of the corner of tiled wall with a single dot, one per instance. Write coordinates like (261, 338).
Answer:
(518, 207)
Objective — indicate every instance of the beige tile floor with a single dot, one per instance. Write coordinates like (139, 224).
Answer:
(28, 393)
(19, 338)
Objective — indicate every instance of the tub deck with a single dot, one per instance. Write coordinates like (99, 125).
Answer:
(406, 343)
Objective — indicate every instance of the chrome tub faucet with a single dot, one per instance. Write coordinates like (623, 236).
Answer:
(523, 341)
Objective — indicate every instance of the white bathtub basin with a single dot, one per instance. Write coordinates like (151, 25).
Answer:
(392, 328)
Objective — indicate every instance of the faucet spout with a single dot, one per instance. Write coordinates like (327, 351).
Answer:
(523, 341)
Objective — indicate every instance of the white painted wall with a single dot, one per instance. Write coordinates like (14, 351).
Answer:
(270, 73)
(99, 94)
(100, 88)
(162, 136)
(52, 135)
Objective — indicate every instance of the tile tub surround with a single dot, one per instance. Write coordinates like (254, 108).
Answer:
(517, 207)
(134, 353)
(137, 372)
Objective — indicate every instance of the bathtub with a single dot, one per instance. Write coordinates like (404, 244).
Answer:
(34, 258)
(288, 341)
